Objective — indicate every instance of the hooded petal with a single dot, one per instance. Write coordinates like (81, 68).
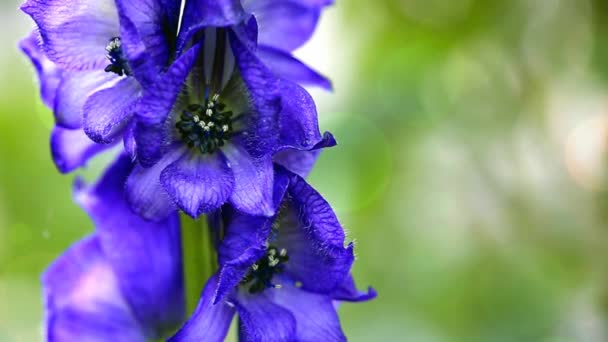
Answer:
(49, 75)
(315, 315)
(107, 111)
(259, 136)
(199, 14)
(73, 92)
(285, 25)
(347, 291)
(146, 256)
(264, 321)
(298, 119)
(75, 33)
(160, 98)
(314, 239)
(301, 162)
(198, 183)
(209, 322)
(146, 195)
(253, 181)
(83, 300)
(288, 67)
(71, 148)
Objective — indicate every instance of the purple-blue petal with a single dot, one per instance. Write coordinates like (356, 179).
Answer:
(83, 300)
(73, 92)
(75, 33)
(199, 14)
(348, 292)
(161, 96)
(209, 322)
(49, 74)
(262, 320)
(314, 239)
(253, 181)
(107, 111)
(244, 243)
(288, 67)
(298, 119)
(198, 183)
(145, 193)
(156, 24)
(260, 135)
(146, 256)
(297, 161)
(285, 25)
(71, 148)
(315, 315)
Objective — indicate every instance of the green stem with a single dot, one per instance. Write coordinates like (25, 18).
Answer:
(200, 261)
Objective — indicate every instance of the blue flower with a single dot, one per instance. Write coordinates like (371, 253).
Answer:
(123, 283)
(93, 58)
(281, 275)
(208, 129)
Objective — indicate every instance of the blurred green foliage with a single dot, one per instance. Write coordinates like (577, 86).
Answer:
(471, 170)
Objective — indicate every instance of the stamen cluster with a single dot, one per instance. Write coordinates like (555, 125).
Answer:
(119, 64)
(205, 128)
(261, 273)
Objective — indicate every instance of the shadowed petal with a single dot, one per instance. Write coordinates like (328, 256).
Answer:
(209, 322)
(146, 256)
(260, 134)
(107, 111)
(72, 149)
(75, 33)
(83, 300)
(287, 66)
(198, 183)
(155, 23)
(160, 98)
(253, 181)
(49, 74)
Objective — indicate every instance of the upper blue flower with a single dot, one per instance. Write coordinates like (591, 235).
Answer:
(281, 275)
(209, 128)
(93, 58)
(123, 283)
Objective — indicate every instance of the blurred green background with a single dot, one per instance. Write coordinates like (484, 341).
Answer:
(471, 169)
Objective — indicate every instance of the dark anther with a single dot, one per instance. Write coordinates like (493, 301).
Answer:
(261, 273)
(207, 127)
(119, 64)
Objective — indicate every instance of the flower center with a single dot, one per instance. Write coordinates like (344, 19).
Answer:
(205, 128)
(118, 62)
(261, 273)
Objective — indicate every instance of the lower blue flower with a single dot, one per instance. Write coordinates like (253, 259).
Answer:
(123, 283)
(283, 275)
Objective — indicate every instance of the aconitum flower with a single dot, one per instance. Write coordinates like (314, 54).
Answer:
(93, 57)
(123, 283)
(208, 130)
(281, 275)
